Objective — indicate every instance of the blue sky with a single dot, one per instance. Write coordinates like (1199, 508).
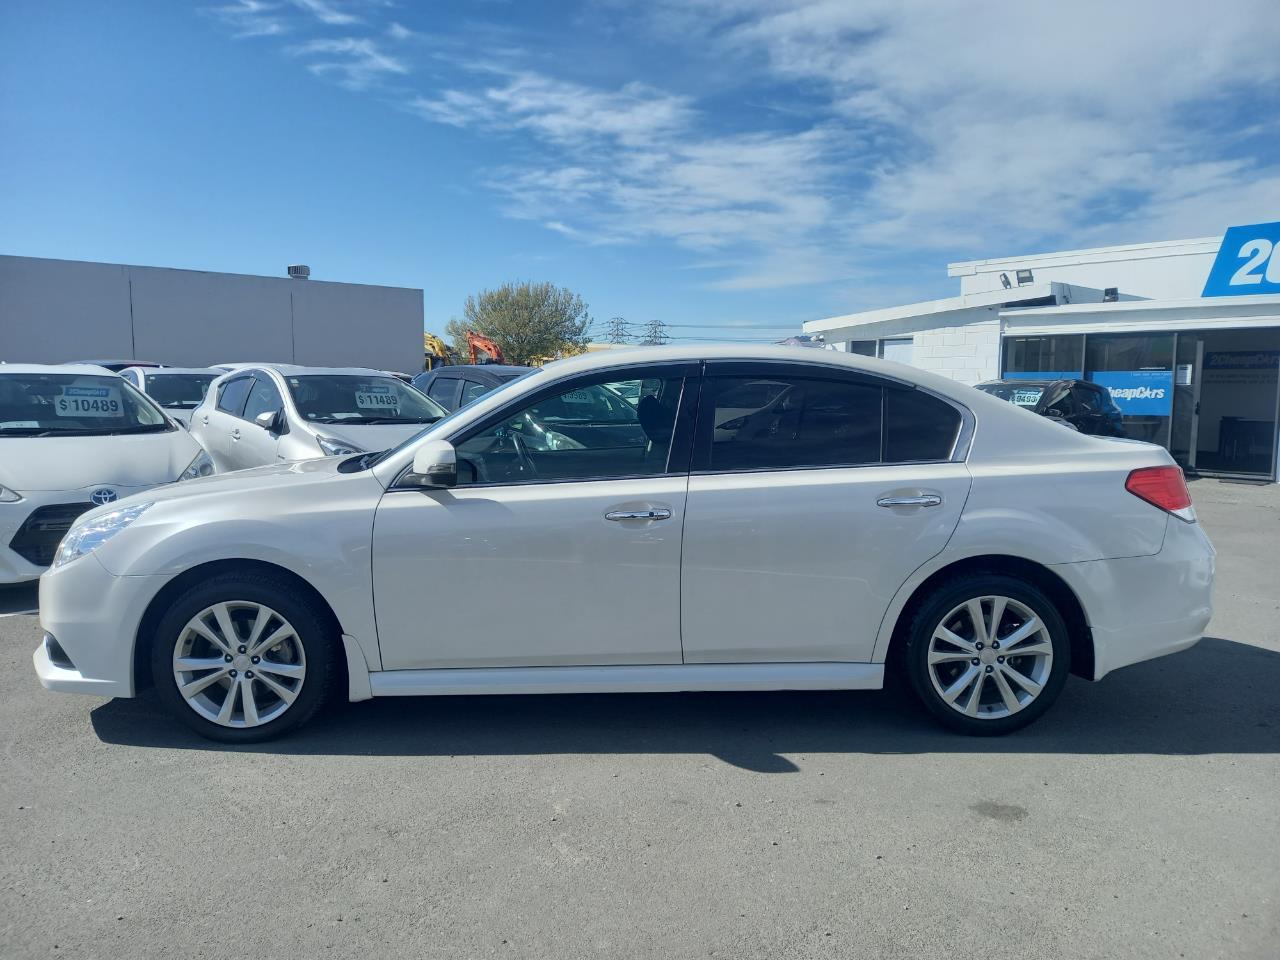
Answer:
(732, 167)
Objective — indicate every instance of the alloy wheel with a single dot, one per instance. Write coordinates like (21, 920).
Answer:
(239, 664)
(990, 657)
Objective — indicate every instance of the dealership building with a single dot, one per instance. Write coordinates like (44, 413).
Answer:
(52, 311)
(1185, 334)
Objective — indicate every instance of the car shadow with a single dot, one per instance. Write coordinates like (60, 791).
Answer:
(19, 598)
(1219, 697)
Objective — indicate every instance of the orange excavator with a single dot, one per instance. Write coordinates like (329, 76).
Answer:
(478, 343)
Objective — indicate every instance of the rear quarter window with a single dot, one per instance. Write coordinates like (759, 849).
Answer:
(918, 426)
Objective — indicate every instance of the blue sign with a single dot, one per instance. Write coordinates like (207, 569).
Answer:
(1248, 262)
(1139, 393)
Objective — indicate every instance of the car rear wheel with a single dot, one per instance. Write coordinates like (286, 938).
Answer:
(988, 654)
(242, 659)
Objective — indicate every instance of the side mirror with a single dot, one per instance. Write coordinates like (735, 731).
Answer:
(268, 420)
(435, 464)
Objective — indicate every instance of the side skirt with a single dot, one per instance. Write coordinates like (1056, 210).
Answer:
(659, 678)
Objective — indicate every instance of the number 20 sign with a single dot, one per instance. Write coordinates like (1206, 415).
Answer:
(1248, 262)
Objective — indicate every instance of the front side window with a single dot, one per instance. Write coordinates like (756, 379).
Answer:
(179, 391)
(443, 390)
(47, 404)
(768, 422)
(263, 398)
(354, 399)
(471, 390)
(589, 432)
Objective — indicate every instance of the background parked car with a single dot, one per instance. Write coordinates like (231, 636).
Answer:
(115, 366)
(73, 437)
(265, 413)
(178, 389)
(1082, 404)
(456, 386)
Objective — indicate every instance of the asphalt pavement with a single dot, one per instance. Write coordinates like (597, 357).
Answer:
(1140, 818)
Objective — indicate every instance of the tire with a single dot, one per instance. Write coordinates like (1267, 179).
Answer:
(944, 648)
(266, 701)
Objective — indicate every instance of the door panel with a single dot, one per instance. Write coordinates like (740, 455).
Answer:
(530, 574)
(799, 565)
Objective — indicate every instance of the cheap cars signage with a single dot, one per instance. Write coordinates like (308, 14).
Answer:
(1248, 262)
(1139, 393)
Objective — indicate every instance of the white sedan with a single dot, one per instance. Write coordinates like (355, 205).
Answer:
(72, 437)
(761, 519)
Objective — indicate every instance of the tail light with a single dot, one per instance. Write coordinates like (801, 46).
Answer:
(1163, 487)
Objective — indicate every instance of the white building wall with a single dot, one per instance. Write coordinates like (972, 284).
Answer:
(52, 311)
(969, 353)
(1168, 270)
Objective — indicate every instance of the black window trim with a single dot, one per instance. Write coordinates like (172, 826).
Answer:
(701, 452)
(678, 456)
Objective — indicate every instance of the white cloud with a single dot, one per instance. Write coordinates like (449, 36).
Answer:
(250, 18)
(358, 65)
(327, 13)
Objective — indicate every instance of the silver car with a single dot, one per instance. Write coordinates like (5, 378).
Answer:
(266, 413)
(178, 390)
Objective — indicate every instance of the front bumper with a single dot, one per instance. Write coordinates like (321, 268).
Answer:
(1140, 608)
(93, 616)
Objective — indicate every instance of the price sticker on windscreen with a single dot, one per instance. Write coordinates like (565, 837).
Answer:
(376, 396)
(577, 396)
(1026, 398)
(88, 402)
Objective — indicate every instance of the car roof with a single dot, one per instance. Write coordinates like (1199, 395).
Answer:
(165, 371)
(85, 368)
(296, 370)
(493, 369)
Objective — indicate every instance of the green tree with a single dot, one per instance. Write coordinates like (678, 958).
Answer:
(529, 321)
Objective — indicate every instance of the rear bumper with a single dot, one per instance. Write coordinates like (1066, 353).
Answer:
(1140, 608)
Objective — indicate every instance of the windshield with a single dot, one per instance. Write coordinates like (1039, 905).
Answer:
(1022, 394)
(179, 391)
(353, 399)
(65, 404)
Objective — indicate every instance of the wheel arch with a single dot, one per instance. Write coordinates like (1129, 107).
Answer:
(1064, 598)
(184, 581)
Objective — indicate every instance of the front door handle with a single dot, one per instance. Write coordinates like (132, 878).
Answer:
(657, 513)
(235, 434)
(924, 500)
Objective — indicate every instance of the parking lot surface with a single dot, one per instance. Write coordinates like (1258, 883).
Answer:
(1139, 818)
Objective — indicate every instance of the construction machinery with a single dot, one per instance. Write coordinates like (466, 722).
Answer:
(478, 343)
(435, 352)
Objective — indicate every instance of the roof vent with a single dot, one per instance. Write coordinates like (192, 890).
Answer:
(299, 271)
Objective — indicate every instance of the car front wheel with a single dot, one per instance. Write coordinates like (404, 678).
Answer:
(988, 654)
(242, 659)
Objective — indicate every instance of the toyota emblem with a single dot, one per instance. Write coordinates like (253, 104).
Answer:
(103, 496)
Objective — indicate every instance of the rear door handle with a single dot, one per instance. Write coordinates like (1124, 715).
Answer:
(205, 420)
(924, 500)
(657, 513)
(235, 434)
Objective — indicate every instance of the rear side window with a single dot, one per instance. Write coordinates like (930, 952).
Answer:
(763, 423)
(231, 395)
(918, 427)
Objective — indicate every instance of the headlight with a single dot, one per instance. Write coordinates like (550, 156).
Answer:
(201, 466)
(9, 496)
(337, 448)
(88, 535)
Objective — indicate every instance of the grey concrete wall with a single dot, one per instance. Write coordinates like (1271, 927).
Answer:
(58, 310)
